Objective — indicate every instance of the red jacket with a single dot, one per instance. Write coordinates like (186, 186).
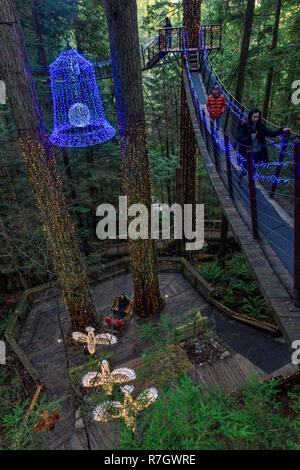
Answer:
(216, 106)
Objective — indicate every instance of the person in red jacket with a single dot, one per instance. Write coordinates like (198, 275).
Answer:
(216, 104)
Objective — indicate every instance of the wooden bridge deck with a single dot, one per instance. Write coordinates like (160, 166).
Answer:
(252, 350)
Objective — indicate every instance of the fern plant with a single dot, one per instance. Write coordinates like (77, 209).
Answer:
(256, 307)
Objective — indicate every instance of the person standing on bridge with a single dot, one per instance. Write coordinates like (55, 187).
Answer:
(216, 105)
(252, 135)
(168, 33)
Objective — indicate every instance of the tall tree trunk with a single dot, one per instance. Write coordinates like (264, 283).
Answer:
(167, 133)
(241, 73)
(41, 47)
(271, 69)
(41, 167)
(188, 143)
(126, 67)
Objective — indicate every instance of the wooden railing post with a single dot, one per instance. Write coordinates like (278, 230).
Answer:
(207, 85)
(204, 72)
(297, 224)
(228, 166)
(205, 130)
(252, 194)
(179, 200)
(280, 159)
(241, 115)
(200, 119)
(227, 114)
(212, 132)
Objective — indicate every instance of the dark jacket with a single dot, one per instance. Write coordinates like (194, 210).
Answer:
(123, 303)
(168, 24)
(244, 138)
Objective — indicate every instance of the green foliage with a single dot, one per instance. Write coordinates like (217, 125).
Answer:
(232, 283)
(186, 418)
(256, 307)
(4, 322)
(16, 423)
(212, 272)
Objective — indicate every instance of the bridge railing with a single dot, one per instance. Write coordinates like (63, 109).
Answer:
(280, 149)
(210, 36)
(170, 39)
(243, 177)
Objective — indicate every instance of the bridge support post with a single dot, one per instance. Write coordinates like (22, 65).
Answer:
(228, 165)
(212, 130)
(227, 114)
(208, 80)
(252, 194)
(179, 200)
(297, 225)
(280, 159)
(205, 129)
(223, 241)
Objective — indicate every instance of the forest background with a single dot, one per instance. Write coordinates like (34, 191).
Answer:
(93, 175)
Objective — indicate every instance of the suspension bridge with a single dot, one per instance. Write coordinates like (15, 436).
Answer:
(260, 201)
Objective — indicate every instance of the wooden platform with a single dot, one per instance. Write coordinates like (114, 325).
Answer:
(41, 341)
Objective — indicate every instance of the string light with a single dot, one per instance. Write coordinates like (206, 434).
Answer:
(106, 378)
(127, 410)
(234, 155)
(188, 145)
(137, 186)
(91, 339)
(58, 228)
(79, 118)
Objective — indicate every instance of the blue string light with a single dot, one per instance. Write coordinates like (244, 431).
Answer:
(234, 155)
(78, 112)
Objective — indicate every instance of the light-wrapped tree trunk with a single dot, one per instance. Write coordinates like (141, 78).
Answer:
(126, 66)
(188, 143)
(41, 167)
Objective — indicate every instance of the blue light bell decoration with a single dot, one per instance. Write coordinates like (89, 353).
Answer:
(78, 112)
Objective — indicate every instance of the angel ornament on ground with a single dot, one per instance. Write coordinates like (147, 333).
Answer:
(107, 378)
(91, 339)
(127, 410)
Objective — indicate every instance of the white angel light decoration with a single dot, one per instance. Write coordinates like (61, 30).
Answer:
(127, 410)
(91, 339)
(107, 378)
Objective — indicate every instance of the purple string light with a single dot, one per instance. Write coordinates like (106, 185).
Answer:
(78, 112)
(234, 155)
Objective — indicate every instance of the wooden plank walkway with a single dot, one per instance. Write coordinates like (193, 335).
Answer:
(233, 372)
(41, 342)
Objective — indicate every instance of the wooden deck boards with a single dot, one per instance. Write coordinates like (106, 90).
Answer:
(40, 341)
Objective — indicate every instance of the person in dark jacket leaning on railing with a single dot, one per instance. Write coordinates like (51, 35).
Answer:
(252, 135)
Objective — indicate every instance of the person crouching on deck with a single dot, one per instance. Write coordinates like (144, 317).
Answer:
(216, 105)
(123, 302)
(252, 135)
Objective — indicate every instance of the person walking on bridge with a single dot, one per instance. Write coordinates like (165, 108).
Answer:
(252, 135)
(216, 105)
